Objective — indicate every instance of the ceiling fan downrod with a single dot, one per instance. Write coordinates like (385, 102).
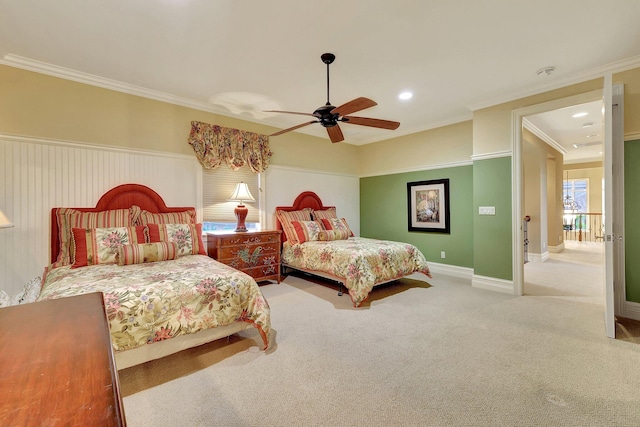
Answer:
(328, 59)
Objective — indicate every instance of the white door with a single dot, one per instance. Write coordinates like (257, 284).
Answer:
(613, 208)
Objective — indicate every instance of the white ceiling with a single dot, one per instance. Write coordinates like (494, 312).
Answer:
(240, 58)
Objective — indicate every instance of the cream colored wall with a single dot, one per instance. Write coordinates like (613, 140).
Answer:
(436, 147)
(492, 125)
(42, 106)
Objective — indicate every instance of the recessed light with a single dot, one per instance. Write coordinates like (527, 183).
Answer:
(405, 95)
(593, 135)
(581, 114)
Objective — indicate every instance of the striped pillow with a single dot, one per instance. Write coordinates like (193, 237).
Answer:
(307, 230)
(71, 218)
(286, 219)
(188, 237)
(324, 214)
(146, 252)
(100, 245)
(183, 217)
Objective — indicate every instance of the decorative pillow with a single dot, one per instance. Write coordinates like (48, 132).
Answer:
(146, 252)
(307, 230)
(324, 214)
(336, 224)
(325, 235)
(188, 237)
(183, 217)
(286, 218)
(29, 293)
(71, 218)
(100, 245)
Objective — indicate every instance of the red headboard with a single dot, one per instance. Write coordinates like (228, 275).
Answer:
(306, 199)
(120, 197)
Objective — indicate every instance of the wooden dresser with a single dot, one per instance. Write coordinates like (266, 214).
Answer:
(57, 365)
(256, 253)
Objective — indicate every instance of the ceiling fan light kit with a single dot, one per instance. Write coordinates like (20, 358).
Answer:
(329, 116)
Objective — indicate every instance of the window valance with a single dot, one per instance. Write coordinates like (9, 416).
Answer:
(215, 145)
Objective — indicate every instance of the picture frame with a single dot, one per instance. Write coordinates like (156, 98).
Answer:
(428, 206)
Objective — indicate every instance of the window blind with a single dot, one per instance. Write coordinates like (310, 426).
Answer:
(217, 186)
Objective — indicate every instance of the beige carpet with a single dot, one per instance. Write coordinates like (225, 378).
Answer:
(419, 354)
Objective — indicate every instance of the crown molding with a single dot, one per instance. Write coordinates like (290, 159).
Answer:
(543, 136)
(494, 155)
(594, 73)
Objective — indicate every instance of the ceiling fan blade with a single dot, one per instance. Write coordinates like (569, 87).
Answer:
(335, 133)
(288, 112)
(376, 123)
(293, 128)
(353, 106)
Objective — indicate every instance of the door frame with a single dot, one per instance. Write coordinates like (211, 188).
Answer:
(517, 180)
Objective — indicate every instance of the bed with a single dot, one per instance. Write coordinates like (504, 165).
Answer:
(316, 241)
(162, 294)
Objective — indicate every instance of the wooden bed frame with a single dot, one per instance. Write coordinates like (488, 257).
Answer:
(123, 197)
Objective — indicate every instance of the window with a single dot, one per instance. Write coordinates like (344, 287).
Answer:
(217, 186)
(575, 198)
(577, 190)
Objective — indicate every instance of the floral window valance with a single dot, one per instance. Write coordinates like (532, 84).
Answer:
(215, 145)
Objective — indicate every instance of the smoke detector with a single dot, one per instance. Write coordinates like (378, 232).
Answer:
(546, 71)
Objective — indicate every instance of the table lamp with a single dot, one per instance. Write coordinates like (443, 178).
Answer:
(240, 194)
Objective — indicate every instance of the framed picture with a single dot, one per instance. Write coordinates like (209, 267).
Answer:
(428, 203)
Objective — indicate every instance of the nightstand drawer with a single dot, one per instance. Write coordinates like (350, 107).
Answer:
(249, 254)
(256, 253)
(247, 239)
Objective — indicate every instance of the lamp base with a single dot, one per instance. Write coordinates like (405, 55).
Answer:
(241, 212)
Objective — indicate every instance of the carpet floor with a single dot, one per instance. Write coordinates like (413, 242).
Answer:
(420, 352)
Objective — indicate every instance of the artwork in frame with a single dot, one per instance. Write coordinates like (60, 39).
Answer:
(428, 204)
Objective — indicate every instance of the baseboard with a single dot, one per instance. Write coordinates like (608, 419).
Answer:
(632, 310)
(493, 284)
(451, 270)
(533, 257)
(556, 249)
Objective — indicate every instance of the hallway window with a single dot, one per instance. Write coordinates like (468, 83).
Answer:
(578, 191)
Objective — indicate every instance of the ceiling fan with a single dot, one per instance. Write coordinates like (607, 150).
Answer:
(329, 116)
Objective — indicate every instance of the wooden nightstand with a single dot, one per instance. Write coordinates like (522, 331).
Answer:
(256, 253)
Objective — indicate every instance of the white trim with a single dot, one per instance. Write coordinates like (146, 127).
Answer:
(451, 270)
(631, 310)
(543, 136)
(111, 148)
(305, 170)
(494, 155)
(594, 73)
(556, 249)
(517, 116)
(533, 257)
(424, 168)
(493, 284)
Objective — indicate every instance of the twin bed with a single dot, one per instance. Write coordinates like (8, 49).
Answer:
(318, 242)
(160, 288)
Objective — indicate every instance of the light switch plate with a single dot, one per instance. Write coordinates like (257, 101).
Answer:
(487, 210)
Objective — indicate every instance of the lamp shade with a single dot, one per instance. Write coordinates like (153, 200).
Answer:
(4, 221)
(241, 193)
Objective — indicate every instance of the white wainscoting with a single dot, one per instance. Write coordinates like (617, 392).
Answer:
(37, 175)
(283, 184)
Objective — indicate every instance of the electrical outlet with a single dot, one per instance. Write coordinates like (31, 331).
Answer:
(442, 255)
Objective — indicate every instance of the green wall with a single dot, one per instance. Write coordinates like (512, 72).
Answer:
(492, 254)
(632, 228)
(385, 197)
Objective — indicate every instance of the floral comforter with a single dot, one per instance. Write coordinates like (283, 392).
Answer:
(360, 262)
(156, 301)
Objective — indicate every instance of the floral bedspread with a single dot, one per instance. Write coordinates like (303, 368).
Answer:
(156, 301)
(360, 262)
